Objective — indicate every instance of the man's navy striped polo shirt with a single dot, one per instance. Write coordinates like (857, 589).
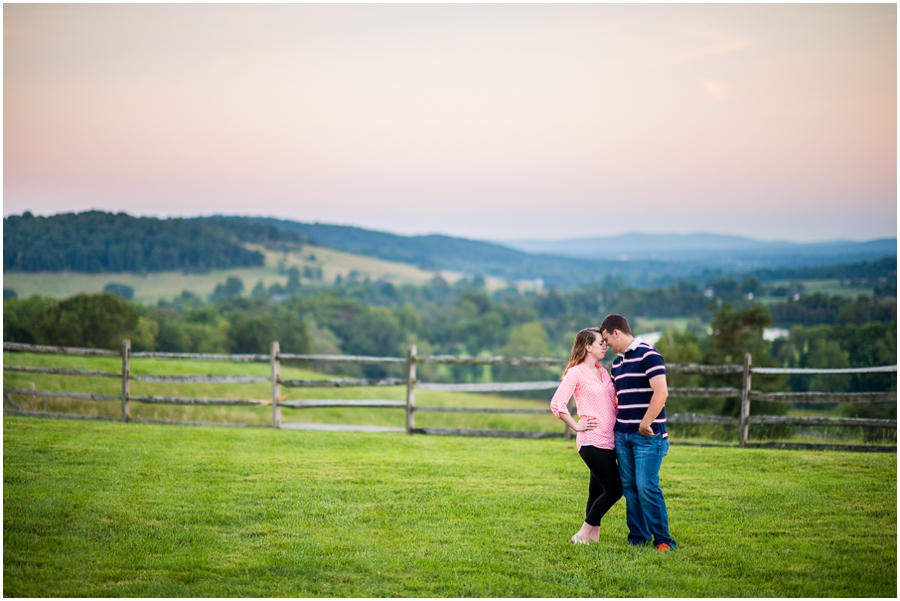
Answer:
(631, 374)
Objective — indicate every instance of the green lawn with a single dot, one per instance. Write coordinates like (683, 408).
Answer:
(112, 509)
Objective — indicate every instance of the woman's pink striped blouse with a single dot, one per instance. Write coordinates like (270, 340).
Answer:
(594, 398)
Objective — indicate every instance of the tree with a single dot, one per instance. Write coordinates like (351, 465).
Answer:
(293, 283)
(726, 289)
(250, 333)
(92, 320)
(752, 285)
(552, 305)
(525, 340)
(259, 291)
(21, 318)
(231, 288)
(738, 332)
(123, 290)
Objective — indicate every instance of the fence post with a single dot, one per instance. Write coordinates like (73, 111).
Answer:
(410, 388)
(276, 385)
(126, 380)
(745, 402)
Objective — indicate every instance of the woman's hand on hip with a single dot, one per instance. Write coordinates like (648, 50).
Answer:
(586, 423)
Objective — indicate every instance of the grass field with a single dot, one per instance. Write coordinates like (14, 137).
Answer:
(166, 285)
(112, 509)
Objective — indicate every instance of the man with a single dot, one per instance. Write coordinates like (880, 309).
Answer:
(639, 374)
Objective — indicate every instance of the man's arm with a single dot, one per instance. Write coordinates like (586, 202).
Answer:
(657, 402)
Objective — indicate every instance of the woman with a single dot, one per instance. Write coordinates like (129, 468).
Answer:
(595, 399)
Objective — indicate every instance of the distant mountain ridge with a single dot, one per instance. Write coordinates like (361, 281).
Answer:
(712, 248)
(95, 241)
(439, 252)
(639, 259)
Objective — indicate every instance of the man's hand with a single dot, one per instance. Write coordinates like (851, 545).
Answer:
(657, 402)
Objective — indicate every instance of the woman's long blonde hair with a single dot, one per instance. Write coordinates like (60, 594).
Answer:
(583, 338)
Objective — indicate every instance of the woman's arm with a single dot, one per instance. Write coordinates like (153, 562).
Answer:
(560, 401)
(559, 404)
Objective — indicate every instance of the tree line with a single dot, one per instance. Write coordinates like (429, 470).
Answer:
(381, 318)
(96, 241)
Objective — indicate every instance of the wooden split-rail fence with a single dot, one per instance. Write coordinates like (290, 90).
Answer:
(277, 402)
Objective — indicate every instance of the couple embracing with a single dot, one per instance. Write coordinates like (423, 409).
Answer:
(621, 429)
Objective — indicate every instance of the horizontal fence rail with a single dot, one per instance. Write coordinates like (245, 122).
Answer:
(462, 360)
(58, 350)
(799, 420)
(824, 397)
(175, 400)
(490, 386)
(704, 393)
(701, 418)
(329, 403)
(707, 370)
(277, 400)
(342, 383)
(202, 379)
(62, 372)
(340, 358)
(88, 396)
(480, 410)
(884, 369)
(203, 356)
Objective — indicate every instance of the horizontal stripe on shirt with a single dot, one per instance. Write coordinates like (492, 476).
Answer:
(637, 421)
(637, 374)
(636, 359)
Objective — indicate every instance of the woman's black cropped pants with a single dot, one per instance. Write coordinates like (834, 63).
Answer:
(606, 485)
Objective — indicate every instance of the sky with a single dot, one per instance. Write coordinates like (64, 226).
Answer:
(485, 121)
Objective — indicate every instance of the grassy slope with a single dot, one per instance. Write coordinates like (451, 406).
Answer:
(110, 509)
(166, 285)
(169, 284)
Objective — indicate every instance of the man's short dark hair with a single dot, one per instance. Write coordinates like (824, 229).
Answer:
(615, 322)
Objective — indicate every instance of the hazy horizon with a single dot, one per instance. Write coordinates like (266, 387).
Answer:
(483, 121)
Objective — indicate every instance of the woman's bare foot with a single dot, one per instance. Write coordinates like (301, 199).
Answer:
(587, 534)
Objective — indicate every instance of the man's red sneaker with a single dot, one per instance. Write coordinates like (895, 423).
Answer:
(663, 548)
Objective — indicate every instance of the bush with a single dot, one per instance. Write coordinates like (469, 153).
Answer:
(123, 290)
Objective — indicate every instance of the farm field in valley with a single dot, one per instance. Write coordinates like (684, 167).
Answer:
(166, 285)
(113, 509)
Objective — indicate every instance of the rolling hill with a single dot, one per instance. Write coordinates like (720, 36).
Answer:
(94, 242)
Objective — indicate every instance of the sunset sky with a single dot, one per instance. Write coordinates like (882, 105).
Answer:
(493, 122)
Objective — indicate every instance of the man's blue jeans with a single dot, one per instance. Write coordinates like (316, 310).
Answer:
(640, 458)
